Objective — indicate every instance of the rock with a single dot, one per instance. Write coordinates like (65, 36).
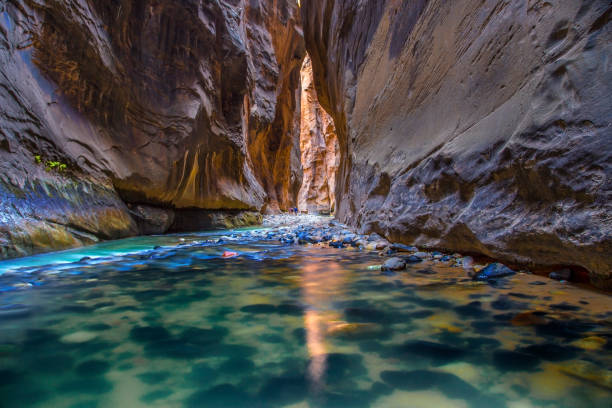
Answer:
(387, 251)
(467, 263)
(494, 271)
(374, 237)
(319, 147)
(528, 319)
(590, 343)
(403, 248)
(499, 183)
(393, 264)
(152, 220)
(336, 244)
(422, 255)
(200, 220)
(195, 109)
(78, 337)
(563, 274)
(380, 244)
(413, 259)
(588, 372)
(349, 240)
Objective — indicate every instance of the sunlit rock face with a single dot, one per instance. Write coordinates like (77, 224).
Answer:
(318, 145)
(479, 126)
(174, 104)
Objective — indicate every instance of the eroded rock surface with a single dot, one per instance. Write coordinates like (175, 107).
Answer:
(478, 126)
(318, 146)
(174, 104)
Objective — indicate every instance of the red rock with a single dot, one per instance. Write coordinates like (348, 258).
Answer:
(481, 128)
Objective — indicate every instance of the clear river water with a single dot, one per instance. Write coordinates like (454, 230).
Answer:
(168, 321)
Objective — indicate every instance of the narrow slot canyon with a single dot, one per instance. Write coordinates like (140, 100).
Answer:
(319, 150)
(305, 203)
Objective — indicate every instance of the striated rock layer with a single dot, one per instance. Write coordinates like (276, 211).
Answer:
(180, 105)
(478, 126)
(319, 146)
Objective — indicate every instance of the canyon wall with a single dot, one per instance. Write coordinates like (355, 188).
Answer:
(474, 125)
(319, 146)
(117, 112)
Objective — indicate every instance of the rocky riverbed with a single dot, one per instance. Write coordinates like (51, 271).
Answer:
(300, 313)
(324, 231)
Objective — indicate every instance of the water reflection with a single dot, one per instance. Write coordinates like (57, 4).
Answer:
(322, 283)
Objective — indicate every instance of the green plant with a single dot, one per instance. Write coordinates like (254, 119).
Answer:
(51, 164)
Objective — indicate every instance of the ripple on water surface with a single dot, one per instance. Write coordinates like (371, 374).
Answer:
(125, 325)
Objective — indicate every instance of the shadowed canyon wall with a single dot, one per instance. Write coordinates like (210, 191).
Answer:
(110, 107)
(319, 146)
(476, 126)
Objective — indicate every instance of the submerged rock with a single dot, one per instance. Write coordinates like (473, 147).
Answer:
(493, 271)
(563, 274)
(393, 264)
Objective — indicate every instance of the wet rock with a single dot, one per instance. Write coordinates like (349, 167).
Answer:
(550, 351)
(472, 310)
(451, 385)
(236, 366)
(260, 308)
(373, 237)
(563, 274)
(494, 271)
(413, 259)
(79, 337)
(342, 368)
(152, 220)
(467, 262)
(435, 353)
(589, 373)
(154, 396)
(590, 343)
(92, 368)
(394, 264)
(505, 303)
(149, 333)
(287, 389)
(222, 395)
(565, 307)
(528, 319)
(336, 244)
(403, 248)
(506, 360)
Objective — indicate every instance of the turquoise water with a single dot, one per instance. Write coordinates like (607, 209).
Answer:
(289, 326)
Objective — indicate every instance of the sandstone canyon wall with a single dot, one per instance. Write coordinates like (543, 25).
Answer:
(109, 107)
(473, 125)
(319, 146)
